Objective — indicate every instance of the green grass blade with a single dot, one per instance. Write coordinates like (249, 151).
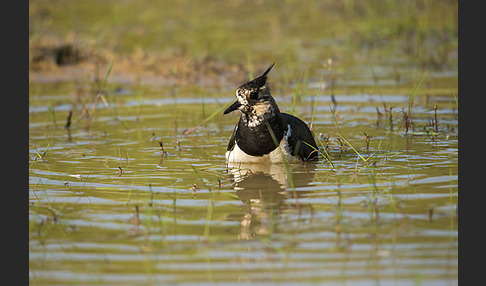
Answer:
(107, 74)
(315, 100)
(414, 92)
(289, 174)
(207, 119)
(326, 155)
(296, 93)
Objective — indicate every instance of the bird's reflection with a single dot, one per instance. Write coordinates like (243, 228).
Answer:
(266, 191)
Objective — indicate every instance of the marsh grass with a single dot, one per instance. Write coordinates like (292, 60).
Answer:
(68, 126)
(342, 139)
(325, 155)
(321, 84)
(203, 105)
(52, 113)
(207, 119)
(100, 95)
(140, 92)
(296, 94)
(415, 29)
(209, 215)
(127, 160)
(408, 114)
(41, 156)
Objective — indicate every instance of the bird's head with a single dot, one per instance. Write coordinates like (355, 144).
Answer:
(254, 98)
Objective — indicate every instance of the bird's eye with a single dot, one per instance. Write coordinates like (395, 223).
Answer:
(254, 95)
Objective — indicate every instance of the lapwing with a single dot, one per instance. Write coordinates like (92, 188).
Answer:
(253, 142)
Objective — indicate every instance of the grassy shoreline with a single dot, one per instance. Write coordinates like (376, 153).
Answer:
(202, 42)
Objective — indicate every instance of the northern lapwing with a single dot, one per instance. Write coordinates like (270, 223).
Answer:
(253, 142)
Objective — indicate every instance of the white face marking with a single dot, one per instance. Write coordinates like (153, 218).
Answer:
(241, 98)
(255, 111)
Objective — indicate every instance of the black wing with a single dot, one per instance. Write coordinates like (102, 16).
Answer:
(231, 143)
(300, 133)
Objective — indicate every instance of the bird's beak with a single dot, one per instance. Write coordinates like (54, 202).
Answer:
(232, 107)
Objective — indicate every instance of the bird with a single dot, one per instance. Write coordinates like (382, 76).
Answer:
(264, 134)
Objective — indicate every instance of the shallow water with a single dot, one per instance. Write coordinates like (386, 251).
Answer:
(106, 207)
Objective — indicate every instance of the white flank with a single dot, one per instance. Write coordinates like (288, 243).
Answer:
(289, 131)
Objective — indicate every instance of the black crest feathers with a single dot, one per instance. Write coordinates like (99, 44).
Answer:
(259, 81)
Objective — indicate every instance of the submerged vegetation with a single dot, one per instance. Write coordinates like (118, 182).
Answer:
(128, 182)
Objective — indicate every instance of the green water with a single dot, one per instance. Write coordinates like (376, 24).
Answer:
(107, 207)
(391, 218)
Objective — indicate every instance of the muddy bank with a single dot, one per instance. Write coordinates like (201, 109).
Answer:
(53, 61)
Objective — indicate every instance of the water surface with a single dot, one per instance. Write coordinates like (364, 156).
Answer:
(107, 207)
